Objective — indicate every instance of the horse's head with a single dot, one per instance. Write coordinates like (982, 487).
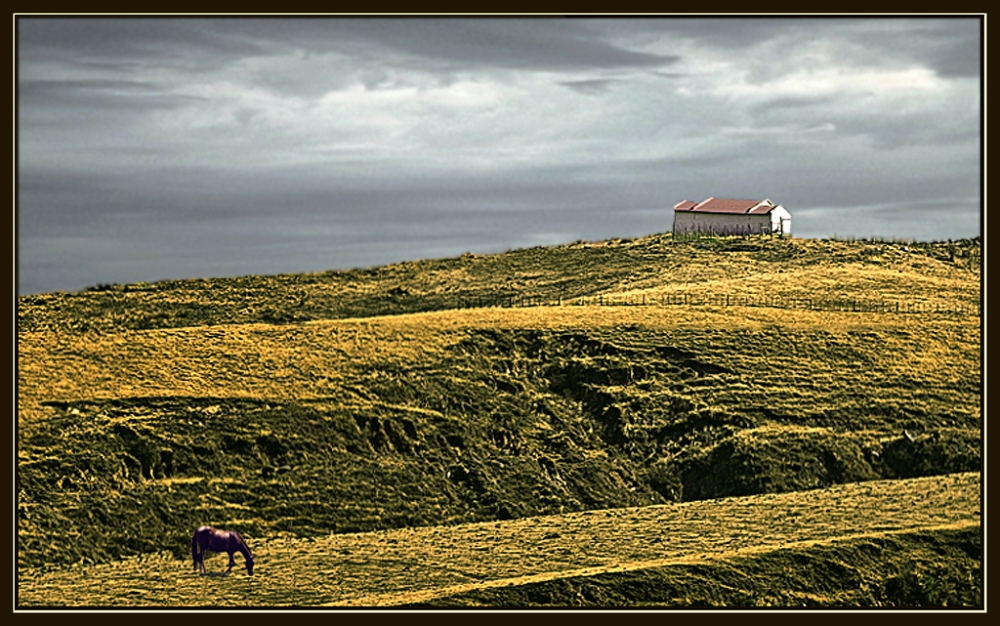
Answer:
(249, 562)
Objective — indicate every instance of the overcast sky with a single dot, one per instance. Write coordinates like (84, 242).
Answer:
(175, 148)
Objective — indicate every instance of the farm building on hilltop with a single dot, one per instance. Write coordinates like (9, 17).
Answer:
(719, 216)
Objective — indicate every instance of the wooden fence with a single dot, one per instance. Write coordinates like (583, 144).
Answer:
(843, 305)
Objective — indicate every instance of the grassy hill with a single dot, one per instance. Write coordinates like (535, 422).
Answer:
(396, 397)
(924, 274)
(895, 543)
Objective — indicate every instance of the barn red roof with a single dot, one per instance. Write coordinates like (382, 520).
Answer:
(762, 209)
(725, 205)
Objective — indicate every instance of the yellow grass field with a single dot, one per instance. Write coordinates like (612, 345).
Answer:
(264, 360)
(386, 438)
(408, 566)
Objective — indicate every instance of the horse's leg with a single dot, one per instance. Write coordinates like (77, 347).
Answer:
(199, 560)
(194, 551)
(232, 562)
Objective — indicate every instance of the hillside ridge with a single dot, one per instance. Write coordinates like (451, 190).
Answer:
(419, 565)
(653, 269)
(374, 400)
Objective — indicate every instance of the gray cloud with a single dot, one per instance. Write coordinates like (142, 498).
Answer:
(454, 42)
(129, 41)
(98, 94)
(589, 86)
(166, 148)
(949, 45)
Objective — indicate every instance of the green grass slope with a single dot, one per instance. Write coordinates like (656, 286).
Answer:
(509, 423)
(927, 274)
(904, 571)
(366, 400)
(877, 543)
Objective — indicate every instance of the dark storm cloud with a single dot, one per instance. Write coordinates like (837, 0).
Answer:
(98, 93)
(316, 227)
(128, 41)
(778, 108)
(478, 43)
(912, 130)
(168, 148)
(906, 126)
(590, 86)
(44, 89)
(727, 33)
(949, 45)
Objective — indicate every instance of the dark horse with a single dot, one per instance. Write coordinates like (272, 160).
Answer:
(228, 541)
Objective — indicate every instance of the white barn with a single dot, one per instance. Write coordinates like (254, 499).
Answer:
(720, 216)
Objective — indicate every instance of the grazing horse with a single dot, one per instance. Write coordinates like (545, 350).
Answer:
(228, 541)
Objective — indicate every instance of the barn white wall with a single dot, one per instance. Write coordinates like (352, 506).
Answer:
(690, 222)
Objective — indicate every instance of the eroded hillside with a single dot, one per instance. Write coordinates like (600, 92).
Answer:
(398, 397)
(898, 543)
(473, 415)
